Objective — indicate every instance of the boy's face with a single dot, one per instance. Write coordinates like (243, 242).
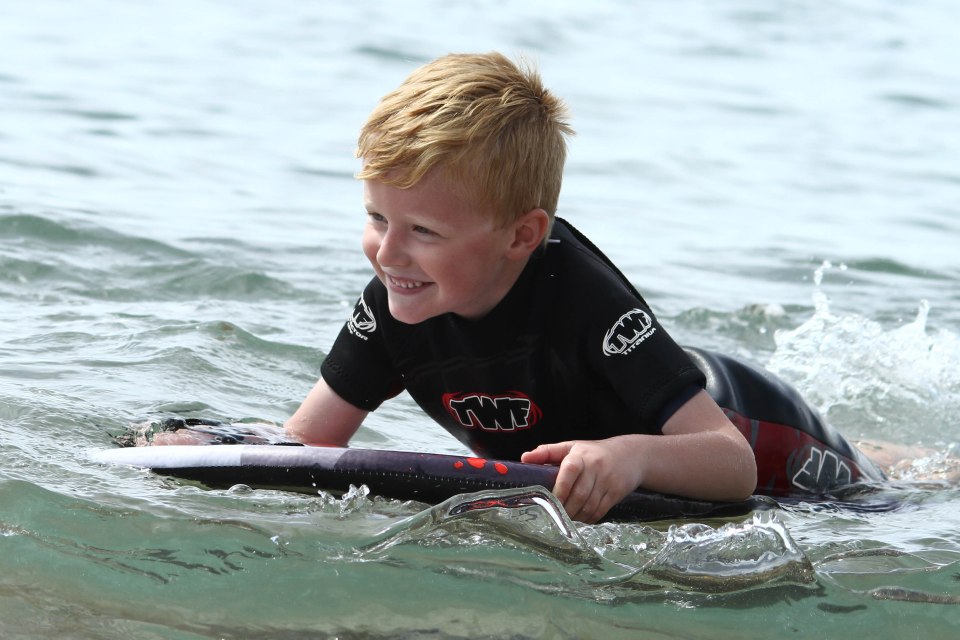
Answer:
(435, 253)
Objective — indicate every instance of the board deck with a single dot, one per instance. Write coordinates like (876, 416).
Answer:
(425, 477)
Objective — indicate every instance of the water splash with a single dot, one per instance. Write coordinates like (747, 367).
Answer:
(875, 381)
(758, 552)
(524, 536)
(942, 465)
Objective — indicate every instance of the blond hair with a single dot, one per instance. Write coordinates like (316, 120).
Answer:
(487, 123)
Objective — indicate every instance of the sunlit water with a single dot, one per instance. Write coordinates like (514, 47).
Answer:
(179, 235)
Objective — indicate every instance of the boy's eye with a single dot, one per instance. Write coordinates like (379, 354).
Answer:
(379, 219)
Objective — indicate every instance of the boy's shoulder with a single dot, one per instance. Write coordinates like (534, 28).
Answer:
(585, 269)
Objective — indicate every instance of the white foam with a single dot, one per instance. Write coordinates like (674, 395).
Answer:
(895, 383)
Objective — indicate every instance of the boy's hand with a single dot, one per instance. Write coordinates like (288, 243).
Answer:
(181, 437)
(700, 455)
(594, 474)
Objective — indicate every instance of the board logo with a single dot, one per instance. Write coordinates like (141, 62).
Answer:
(362, 321)
(509, 411)
(628, 332)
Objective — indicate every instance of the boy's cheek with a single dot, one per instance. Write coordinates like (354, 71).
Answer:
(370, 249)
(369, 245)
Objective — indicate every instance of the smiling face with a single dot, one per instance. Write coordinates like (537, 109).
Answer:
(435, 253)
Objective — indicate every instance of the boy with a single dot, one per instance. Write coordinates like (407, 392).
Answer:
(504, 324)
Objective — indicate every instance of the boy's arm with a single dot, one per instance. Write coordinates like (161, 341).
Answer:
(324, 418)
(700, 455)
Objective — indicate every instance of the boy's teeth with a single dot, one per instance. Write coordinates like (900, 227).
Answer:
(406, 284)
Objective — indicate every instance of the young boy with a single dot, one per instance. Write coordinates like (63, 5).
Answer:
(503, 323)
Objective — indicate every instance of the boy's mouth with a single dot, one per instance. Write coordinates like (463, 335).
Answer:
(405, 284)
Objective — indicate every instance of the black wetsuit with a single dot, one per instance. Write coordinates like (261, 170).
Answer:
(572, 352)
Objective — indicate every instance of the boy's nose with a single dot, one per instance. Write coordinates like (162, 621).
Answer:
(391, 252)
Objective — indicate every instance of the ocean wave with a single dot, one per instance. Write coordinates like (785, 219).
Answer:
(97, 263)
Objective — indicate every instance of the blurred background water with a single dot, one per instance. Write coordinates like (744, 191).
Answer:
(179, 235)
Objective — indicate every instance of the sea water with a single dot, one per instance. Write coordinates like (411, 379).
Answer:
(179, 236)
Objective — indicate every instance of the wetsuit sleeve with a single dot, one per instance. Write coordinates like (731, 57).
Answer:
(631, 350)
(633, 360)
(686, 394)
(358, 367)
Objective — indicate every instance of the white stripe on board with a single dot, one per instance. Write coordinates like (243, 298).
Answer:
(172, 457)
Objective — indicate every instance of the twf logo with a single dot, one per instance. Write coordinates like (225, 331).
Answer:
(362, 320)
(509, 411)
(822, 471)
(628, 332)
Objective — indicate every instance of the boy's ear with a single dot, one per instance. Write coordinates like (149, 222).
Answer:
(529, 231)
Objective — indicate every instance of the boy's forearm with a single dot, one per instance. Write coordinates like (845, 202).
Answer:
(713, 464)
(708, 465)
(324, 418)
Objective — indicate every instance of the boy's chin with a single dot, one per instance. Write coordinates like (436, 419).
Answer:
(409, 316)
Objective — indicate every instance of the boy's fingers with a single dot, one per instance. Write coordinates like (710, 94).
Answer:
(534, 456)
(595, 508)
(566, 477)
(576, 485)
(572, 486)
(547, 453)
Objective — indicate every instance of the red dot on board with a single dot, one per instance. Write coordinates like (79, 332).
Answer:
(458, 465)
(477, 463)
(501, 468)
